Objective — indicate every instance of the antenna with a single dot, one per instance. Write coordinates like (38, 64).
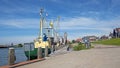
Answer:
(58, 24)
(41, 22)
(41, 11)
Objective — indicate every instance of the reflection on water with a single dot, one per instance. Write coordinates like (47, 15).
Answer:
(19, 52)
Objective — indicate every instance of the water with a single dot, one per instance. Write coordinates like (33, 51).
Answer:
(19, 52)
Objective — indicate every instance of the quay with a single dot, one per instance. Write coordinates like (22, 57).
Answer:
(22, 63)
(99, 57)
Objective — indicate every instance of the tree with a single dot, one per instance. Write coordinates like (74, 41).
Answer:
(73, 41)
(20, 45)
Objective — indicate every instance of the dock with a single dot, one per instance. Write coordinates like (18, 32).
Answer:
(22, 63)
(99, 57)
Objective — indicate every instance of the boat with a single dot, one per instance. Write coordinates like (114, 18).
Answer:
(45, 38)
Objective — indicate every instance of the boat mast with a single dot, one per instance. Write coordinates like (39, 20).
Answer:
(57, 29)
(41, 23)
(58, 24)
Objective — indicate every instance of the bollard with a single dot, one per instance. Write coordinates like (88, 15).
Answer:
(55, 47)
(11, 56)
(52, 49)
(46, 51)
(39, 53)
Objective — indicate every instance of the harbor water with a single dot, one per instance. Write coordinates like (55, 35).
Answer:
(19, 53)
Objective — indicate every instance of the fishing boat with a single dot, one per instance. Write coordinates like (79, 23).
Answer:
(45, 38)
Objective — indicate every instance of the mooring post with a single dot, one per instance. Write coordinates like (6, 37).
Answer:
(56, 48)
(39, 53)
(11, 56)
(46, 51)
(53, 48)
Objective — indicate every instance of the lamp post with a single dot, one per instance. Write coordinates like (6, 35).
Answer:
(65, 38)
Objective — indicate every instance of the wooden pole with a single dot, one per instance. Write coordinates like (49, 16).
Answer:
(39, 55)
(52, 49)
(55, 47)
(11, 56)
(46, 51)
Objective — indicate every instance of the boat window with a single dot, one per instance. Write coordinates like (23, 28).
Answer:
(28, 46)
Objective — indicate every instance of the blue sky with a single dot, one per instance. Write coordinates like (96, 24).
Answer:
(19, 19)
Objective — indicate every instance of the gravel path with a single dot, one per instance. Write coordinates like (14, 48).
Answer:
(99, 57)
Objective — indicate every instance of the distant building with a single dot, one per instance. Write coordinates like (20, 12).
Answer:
(110, 35)
(4, 46)
(116, 33)
(91, 38)
(78, 40)
(104, 37)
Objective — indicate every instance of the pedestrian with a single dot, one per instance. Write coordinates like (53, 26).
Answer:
(68, 47)
(87, 43)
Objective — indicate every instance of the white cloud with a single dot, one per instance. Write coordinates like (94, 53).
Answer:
(78, 21)
(79, 34)
(16, 39)
(19, 7)
(83, 25)
(89, 23)
(68, 23)
(21, 23)
(75, 27)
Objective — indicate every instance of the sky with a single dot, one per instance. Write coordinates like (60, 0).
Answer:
(19, 19)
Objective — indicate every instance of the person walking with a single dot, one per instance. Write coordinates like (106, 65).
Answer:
(87, 43)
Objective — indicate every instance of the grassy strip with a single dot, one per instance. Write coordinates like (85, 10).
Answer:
(80, 47)
(109, 42)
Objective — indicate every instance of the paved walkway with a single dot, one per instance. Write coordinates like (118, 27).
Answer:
(99, 57)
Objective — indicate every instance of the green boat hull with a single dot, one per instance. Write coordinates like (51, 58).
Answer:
(33, 53)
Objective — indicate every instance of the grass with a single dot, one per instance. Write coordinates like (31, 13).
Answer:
(80, 46)
(109, 42)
